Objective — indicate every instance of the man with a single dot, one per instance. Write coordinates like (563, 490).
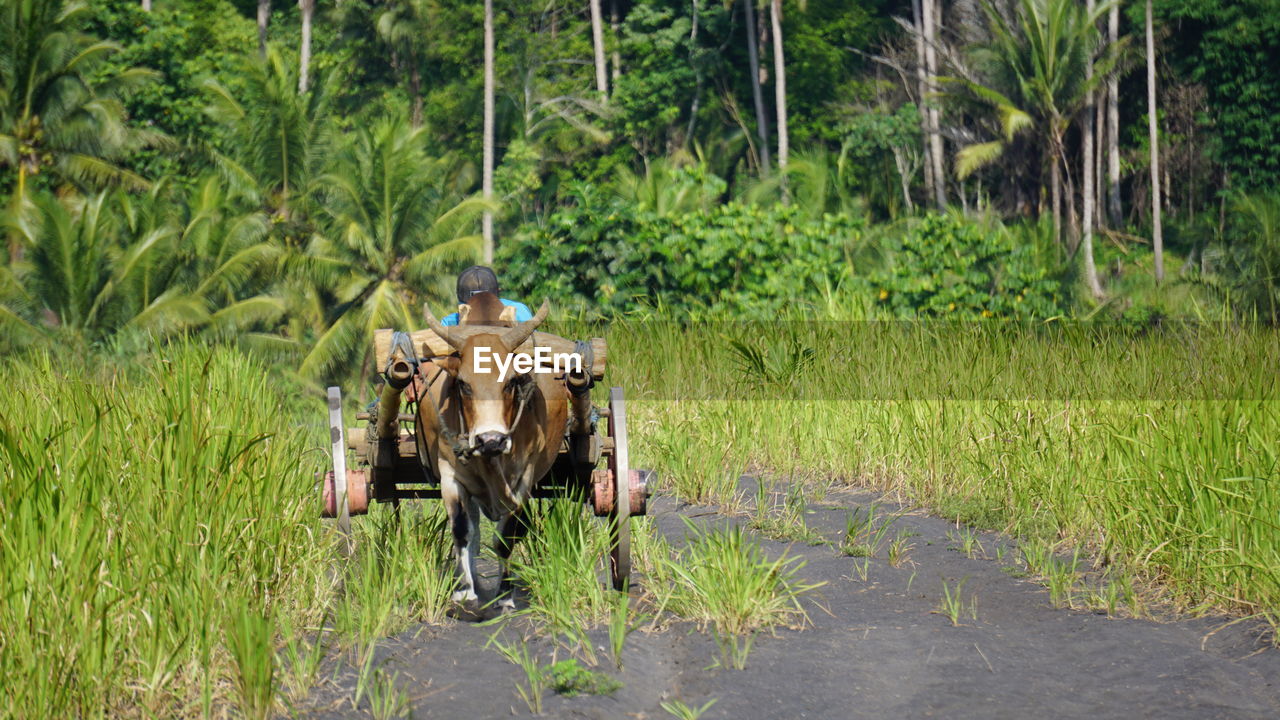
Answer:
(478, 279)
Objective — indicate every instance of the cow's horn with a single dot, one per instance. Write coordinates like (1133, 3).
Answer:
(516, 336)
(444, 332)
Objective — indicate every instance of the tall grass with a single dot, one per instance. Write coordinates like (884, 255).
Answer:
(1150, 449)
(722, 579)
(561, 562)
(161, 553)
(160, 545)
(149, 521)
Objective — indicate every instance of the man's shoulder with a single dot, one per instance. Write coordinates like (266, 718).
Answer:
(522, 310)
(449, 320)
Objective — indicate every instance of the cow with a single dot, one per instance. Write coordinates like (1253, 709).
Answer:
(488, 440)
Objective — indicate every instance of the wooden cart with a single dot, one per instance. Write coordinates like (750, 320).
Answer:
(593, 465)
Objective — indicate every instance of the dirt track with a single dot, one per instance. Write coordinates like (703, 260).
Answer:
(875, 649)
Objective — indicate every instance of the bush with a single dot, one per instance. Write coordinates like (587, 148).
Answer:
(748, 260)
(949, 267)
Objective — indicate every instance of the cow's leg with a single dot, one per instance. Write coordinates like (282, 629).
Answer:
(473, 541)
(463, 520)
(510, 531)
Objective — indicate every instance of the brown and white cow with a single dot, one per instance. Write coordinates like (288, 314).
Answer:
(488, 440)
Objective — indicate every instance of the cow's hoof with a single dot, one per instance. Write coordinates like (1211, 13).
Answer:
(463, 597)
(507, 605)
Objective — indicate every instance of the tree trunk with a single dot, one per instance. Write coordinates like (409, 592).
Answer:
(146, 5)
(487, 172)
(1099, 161)
(779, 84)
(1055, 191)
(904, 177)
(16, 250)
(931, 79)
(308, 8)
(264, 15)
(597, 40)
(1113, 125)
(922, 90)
(1069, 200)
(1088, 176)
(753, 55)
(415, 89)
(969, 16)
(697, 71)
(1157, 235)
(615, 57)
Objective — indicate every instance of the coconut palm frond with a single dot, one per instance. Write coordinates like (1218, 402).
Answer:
(974, 157)
(260, 310)
(173, 310)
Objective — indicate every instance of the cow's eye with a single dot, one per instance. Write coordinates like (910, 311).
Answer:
(464, 387)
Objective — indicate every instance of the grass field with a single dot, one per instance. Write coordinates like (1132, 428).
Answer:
(161, 555)
(1155, 452)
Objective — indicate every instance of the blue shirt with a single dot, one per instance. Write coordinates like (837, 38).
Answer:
(522, 313)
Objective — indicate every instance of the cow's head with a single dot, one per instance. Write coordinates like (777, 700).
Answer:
(489, 402)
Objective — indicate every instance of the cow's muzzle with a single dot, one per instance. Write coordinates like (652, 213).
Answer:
(490, 444)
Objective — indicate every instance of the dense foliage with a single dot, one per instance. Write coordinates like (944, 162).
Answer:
(1230, 49)
(946, 267)
(164, 174)
(605, 256)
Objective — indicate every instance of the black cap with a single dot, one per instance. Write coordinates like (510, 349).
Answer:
(476, 279)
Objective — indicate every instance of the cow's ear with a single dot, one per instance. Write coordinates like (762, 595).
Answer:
(464, 310)
(508, 315)
(449, 364)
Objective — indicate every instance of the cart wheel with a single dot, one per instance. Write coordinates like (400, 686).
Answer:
(620, 552)
(339, 450)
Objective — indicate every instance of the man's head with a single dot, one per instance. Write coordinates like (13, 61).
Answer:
(476, 279)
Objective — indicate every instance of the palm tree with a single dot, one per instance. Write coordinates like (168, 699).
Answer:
(308, 9)
(151, 262)
(816, 183)
(488, 149)
(779, 83)
(1034, 77)
(1249, 267)
(278, 138)
(753, 57)
(922, 92)
(224, 256)
(264, 16)
(404, 25)
(929, 25)
(1115, 210)
(673, 185)
(396, 219)
(1157, 234)
(597, 41)
(92, 274)
(549, 127)
(1088, 176)
(61, 106)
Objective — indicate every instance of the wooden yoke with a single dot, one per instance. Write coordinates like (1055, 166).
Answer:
(430, 345)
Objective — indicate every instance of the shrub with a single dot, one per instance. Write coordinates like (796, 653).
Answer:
(603, 254)
(948, 267)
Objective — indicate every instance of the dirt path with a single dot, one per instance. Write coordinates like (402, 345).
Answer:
(876, 648)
